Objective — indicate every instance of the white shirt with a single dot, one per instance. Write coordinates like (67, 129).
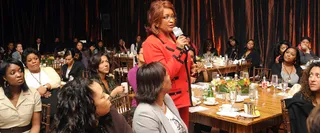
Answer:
(33, 79)
(133, 48)
(174, 122)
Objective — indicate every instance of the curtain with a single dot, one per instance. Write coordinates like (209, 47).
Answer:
(24, 21)
(265, 21)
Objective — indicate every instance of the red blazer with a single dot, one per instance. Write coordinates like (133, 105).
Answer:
(172, 58)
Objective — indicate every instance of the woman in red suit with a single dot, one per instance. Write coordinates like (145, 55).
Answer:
(162, 46)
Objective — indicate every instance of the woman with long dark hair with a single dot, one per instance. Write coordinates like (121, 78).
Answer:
(20, 106)
(84, 107)
(232, 48)
(99, 67)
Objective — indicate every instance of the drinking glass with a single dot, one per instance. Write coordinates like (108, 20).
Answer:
(274, 80)
(233, 97)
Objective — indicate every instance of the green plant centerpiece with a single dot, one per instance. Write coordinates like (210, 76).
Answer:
(225, 86)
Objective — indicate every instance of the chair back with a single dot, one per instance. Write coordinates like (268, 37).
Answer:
(285, 116)
(123, 106)
(45, 118)
(259, 73)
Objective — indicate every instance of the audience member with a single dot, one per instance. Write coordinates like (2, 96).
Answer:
(40, 46)
(250, 53)
(232, 48)
(9, 51)
(190, 44)
(84, 107)
(132, 74)
(133, 48)
(99, 71)
(20, 106)
(201, 75)
(17, 54)
(81, 55)
(278, 51)
(122, 46)
(289, 69)
(101, 47)
(156, 111)
(209, 48)
(301, 104)
(43, 79)
(305, 51)
(92, 49)
(72, 69)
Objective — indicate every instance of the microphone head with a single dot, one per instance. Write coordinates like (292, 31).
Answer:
(177, 31)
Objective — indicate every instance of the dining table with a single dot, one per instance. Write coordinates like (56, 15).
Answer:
(267, 103)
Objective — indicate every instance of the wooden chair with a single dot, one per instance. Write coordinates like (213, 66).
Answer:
(259, 73)
(123, 106)
(45, 118)
(285, 116)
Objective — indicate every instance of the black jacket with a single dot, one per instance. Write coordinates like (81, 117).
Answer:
(299, 110)
(277, 67)
(76, 71)
(232, 52)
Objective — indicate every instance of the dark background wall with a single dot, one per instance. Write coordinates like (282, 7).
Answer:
(265, 21)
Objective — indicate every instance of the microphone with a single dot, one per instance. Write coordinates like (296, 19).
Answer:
(178, 32)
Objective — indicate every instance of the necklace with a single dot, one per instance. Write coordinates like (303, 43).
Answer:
(39, 81)
(285, 68)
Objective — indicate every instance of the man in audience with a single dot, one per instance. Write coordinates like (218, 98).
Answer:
(305, 51)
(58, 46)
(40, 46)
(313, 121)
(133, 48)
(17, 55)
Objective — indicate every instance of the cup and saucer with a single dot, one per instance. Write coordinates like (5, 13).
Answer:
(211, 101)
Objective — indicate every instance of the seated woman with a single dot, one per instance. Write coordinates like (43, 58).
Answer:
(301, 104)
(156, 111)
(84, 107)
(99, 71)
(289, 68)
(232, 48)
(20, 106)
(278, 52)
(209, 49)
(72, 69)
(132, 74)
(43, 79)
(250, 53)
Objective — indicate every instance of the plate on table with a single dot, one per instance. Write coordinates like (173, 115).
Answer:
(196, 103)
(210, 103)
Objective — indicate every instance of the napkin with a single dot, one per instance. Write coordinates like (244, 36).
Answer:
(228, 114)
(294, 89)
(197, 109)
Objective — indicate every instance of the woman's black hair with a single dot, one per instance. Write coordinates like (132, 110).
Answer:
(28, 51)
(194, 52)
(94, 63)
(229, 42)
(69, 52)
(138, 51)
(3, 69)
(149, 82)
(76, 112)
(305, 38)
(297, 61)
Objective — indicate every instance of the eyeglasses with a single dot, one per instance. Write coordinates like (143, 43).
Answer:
(169, 18)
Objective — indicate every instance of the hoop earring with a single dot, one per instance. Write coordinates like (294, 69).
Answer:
(5, 83)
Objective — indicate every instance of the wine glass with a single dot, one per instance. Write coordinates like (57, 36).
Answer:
(274, 80)
(233, 97)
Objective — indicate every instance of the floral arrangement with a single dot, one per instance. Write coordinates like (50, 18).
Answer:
(223, 85)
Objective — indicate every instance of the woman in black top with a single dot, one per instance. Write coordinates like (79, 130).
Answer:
(301, 104)
(289, 67)
(250, 53)
(232, 48)
(209, 49)
(72, 69)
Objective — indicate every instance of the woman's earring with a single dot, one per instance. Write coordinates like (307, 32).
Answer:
(5, 83)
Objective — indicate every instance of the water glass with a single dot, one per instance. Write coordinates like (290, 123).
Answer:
(274, 80)
(233, 97)
(284, 86)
